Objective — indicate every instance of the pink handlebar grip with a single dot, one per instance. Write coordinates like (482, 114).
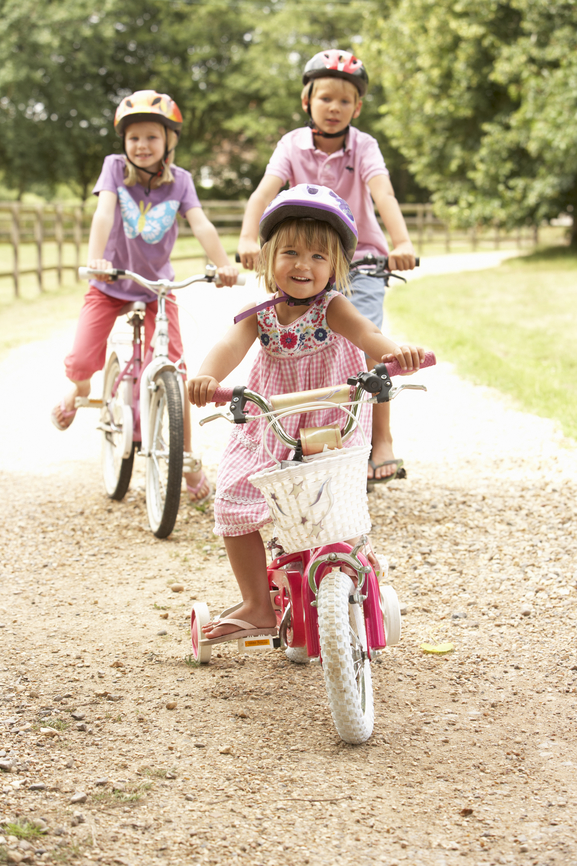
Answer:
(222, 395)
(395, 369)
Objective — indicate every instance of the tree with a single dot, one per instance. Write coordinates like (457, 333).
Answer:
(233, 66)
(482, 103)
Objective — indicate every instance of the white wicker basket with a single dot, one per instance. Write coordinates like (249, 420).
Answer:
(319, 501)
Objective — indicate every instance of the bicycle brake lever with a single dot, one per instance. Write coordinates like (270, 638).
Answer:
(398, 388)
(227, 417)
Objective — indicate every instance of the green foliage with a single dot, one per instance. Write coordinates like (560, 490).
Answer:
(22, 830)
(495, 328)
(482, 102)
(233, 66)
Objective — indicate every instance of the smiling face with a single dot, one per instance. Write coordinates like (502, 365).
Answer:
(144, 144)
(300, 270)
(334, 103)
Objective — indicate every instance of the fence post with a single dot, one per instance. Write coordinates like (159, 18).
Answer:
(429, 223)
(474, 238)
(77, 236)
(39, 237)
(497, 240)
(447, 237)
(16, 248)
(420, 212)
(59, 238)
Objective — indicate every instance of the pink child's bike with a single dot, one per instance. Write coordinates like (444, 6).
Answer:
(332, 604)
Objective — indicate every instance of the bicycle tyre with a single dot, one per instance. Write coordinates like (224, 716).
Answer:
(116, 469)
(165, 455)
(346, 666)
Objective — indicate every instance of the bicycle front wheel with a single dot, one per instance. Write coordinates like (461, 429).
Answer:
(165, 457)
(116, 426)
(345, 661)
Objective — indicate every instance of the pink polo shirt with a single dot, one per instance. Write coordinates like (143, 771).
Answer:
(347, 172)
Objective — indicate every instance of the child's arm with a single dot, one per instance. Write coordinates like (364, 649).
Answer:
(248, 248)
(343, 318)
(223, 359)
(402, 256)
(206, 233)
(102, 223)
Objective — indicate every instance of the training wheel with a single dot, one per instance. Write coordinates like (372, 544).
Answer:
(391, 615)
(298, 655)
(199, 616)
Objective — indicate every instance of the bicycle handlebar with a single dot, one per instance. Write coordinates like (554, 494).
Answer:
(154, 285)
(224, 395)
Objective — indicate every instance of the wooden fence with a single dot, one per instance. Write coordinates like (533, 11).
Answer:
(66, 227)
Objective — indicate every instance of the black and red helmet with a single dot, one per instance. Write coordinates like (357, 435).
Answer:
(337, 64)
(147, 105)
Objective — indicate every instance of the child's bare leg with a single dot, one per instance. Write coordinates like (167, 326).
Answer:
(382, 436)
(193, 479)
(81, 389)
(248, 561)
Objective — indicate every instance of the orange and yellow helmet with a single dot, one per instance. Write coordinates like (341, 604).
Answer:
(147, 105)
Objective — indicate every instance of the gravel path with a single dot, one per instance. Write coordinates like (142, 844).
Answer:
(125, 753)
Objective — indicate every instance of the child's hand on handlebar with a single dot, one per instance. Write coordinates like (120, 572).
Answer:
(98, 265)
(402, 258)
(409, 357)
(227, 276)
(248, 253)
(201, 389)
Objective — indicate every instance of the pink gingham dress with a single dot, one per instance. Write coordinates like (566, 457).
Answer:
(296, 357)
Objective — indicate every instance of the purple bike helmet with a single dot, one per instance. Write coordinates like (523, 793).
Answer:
(307, 200)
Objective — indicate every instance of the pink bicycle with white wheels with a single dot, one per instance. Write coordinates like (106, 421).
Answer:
(332, 603)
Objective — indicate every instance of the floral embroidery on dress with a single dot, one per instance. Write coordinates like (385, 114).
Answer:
(306, 335)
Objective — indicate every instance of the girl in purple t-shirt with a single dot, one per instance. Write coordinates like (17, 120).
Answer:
(134, 227)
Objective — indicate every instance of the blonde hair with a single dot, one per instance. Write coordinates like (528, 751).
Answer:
(131, 172)
(306, 88)
(314, 234)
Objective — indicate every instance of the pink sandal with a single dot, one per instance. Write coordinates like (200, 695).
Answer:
(193, 491)
(65, 412)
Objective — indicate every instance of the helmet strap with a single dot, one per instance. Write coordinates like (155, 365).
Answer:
(312, 124)
(287, 299)
(167, 152)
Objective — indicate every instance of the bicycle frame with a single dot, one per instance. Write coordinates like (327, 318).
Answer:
(298, 590)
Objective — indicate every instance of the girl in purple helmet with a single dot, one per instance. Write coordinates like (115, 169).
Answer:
(310, 336)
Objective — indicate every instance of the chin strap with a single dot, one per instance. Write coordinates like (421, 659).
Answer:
(317, 131)
(287, 299)
(151, 174)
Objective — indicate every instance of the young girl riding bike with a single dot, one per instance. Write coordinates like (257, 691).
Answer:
(308, 236)
(134, 227)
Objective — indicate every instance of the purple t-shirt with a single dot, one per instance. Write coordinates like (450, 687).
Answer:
(145, 227)
(347, 172)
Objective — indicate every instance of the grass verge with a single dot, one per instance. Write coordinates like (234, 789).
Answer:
(513, 328)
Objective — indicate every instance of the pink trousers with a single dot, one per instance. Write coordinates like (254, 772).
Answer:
(96, 321)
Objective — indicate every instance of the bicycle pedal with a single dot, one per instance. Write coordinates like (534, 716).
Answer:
(261, 642)
(87, 403)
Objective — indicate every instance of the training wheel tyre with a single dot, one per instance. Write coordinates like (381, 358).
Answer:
(199, 617)
(298, 655)
(391, 615)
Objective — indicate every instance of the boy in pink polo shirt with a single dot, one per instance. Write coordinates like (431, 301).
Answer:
(332, 153)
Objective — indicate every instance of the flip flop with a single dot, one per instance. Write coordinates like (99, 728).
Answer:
(193, 491)
(245, 629)
(400, 471)
(68, 413)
